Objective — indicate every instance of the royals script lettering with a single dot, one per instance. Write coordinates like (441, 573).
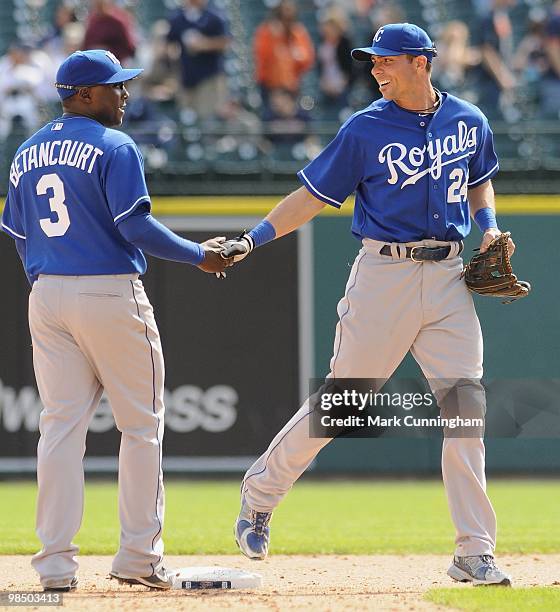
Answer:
(441, 152)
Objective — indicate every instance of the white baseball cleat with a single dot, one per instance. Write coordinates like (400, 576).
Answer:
(251, 531)
(478, 569)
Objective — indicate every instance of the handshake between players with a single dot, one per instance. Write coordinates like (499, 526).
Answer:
(221, 253)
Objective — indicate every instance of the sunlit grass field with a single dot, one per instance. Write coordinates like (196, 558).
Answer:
(492, 599)
(333, 516)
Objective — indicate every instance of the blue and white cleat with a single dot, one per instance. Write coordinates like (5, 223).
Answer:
(478, 569)
(251, 531)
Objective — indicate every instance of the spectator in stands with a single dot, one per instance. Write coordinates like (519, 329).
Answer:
(496, 42)
(530, 61)
(362, 8)
(149, 126)
(72, 36)
(235, 132)
(334, 60)
(283, 51)
(285, 121)
(160, 80)
(237, 119)
(202, 36)
(550, 84)
(110, 27)
(380, 13)
(64, 36)
(481, 8)
(371, 16)
(20, 78)
(53, 42)
(456, 59)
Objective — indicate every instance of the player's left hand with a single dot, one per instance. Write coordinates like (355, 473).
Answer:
(489, 235)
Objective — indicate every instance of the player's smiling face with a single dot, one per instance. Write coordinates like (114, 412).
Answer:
(395, 75)
(108, 103)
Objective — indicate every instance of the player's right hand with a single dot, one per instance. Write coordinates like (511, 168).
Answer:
(213, 262)
(237, 248)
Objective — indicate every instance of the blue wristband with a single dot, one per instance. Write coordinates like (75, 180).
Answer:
(485, 218)
(262, 233)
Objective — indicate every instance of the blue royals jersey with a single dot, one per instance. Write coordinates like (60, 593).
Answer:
(411, 172)
(70, 185)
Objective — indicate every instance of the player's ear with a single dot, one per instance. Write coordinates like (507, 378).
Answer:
(84, 93)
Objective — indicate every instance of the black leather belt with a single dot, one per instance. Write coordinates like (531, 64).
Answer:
(422, 253)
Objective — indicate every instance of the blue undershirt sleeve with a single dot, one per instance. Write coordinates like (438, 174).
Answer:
(152, 237)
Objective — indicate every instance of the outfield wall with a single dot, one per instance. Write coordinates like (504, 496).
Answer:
(224, 406)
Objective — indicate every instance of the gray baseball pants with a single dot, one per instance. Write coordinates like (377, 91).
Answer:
(392, 305)
(93, 334)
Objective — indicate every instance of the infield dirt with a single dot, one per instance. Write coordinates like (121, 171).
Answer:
(314, 582)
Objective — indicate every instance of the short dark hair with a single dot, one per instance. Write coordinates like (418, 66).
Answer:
(428, 64)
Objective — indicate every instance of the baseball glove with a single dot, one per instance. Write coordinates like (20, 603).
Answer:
(490, 273)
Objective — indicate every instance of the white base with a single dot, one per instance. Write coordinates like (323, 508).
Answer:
(192, 578)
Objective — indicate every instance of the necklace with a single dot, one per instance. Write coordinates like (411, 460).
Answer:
(435, 105)
(429, 110)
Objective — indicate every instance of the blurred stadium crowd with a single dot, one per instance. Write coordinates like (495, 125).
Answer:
(254, 88)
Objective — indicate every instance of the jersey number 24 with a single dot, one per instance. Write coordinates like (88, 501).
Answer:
(56, 201)
(457, 191)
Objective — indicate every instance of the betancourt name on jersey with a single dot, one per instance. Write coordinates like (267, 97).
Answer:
(74, 153)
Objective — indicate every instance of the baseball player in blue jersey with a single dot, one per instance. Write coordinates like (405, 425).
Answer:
(420, 162)
(79, 212)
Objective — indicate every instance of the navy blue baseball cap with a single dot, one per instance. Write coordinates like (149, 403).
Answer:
(398, 39)
(94, 67)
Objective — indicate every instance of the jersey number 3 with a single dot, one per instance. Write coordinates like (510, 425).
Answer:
(56, 201)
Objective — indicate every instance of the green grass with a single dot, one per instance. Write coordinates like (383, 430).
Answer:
(495, 599)
(347, 517)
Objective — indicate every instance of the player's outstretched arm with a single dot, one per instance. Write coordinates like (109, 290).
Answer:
(152, 237)
(292, 212)
(483, 210)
